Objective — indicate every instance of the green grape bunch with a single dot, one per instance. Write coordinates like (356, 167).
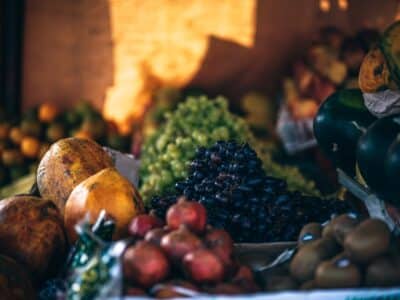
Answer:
(197, 122)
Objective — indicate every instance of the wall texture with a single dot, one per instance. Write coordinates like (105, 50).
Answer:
(113, 52)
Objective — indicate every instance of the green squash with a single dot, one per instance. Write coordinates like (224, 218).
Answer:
(338, 125)
(392, 172)
(372, 151)
(390, 46)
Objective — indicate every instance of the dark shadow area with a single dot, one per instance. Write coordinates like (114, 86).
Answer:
(231, 69)
(68, 52)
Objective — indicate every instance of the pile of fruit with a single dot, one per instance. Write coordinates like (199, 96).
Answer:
(228, 179)
(345, 253)
(79, 178)
(183, 254)
(23, 142)
(199, 122)
(359, 129)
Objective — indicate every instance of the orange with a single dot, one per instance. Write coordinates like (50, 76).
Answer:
(30, 147)
(47, 112)
(16, 135)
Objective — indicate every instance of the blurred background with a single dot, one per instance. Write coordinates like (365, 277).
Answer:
(109, 69)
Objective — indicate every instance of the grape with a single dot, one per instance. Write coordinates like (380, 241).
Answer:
(199, 121)
(228, 179)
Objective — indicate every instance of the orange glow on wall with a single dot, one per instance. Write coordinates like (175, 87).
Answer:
(163, 42)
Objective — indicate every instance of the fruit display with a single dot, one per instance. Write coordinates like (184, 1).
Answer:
(23, 141)
(347, 252)
(338, 125)
(390, 45)
(372, 152)
(106, 190)
(374, 73)
(32, 233)
(359, 131)
(189, 256)
(67, 163)
(199, 122)
(228, 179)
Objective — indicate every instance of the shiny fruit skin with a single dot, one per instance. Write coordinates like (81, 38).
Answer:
(155, 235)
(203, 266)
(145, 264)
(106, 190)
(221, 243)
(189, 213)
(142, 224)
(180, 242)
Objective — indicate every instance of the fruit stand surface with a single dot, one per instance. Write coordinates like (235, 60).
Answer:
(357, 294)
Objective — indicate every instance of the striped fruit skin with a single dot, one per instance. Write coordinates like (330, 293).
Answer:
(66, 164)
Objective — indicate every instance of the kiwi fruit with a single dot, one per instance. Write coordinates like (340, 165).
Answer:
(342, 225)
(327, 230)
(383, 271)
(368, 240)
(309, 233)
(338, 272)
(307, 259)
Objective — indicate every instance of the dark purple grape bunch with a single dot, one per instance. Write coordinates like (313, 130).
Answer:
(228, 179)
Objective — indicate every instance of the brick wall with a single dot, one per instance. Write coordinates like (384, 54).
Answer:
(113, 52)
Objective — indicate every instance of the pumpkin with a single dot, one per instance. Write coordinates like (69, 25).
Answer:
(372, 151)
(374, 72)
(66, 164)
(107, 190)
(338, 125)
(15, 282)
(32, 233)
(390, 46)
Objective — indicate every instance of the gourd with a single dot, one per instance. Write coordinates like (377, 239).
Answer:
(338, 125)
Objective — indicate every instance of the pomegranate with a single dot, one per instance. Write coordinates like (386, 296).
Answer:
(155, 235)
(203, 266)
(180, 242)
(190, 213)
(172, 288)
(220, 242)
(145, 264)
(141, 224)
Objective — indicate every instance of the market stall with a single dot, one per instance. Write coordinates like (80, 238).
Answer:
(173, 184)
